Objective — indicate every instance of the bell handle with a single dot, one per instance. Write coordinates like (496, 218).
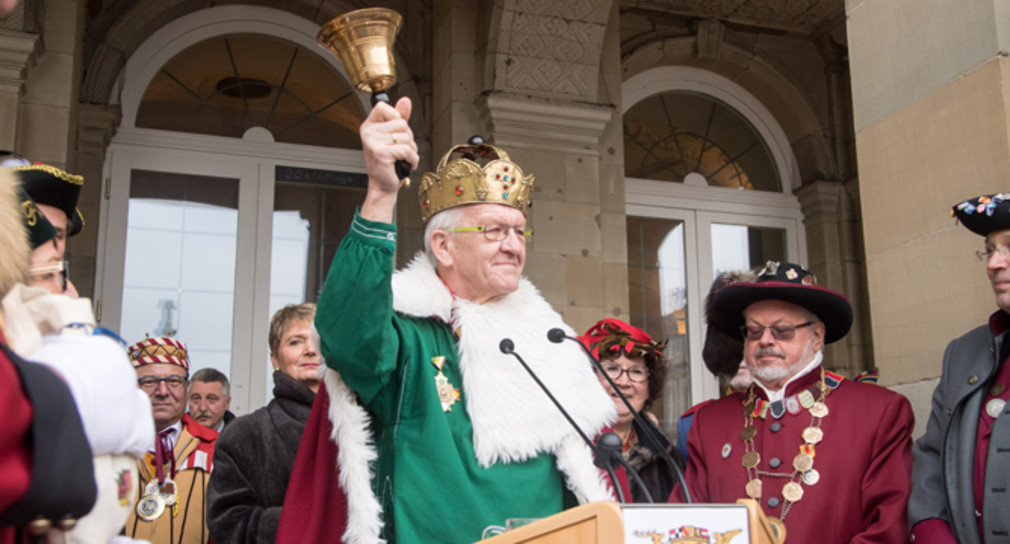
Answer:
(402, 167)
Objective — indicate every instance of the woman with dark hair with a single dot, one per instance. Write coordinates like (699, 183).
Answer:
(637, 366)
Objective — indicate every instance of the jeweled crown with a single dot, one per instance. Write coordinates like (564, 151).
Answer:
(464, 181)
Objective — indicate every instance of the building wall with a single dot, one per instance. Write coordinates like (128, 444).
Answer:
(930, 111)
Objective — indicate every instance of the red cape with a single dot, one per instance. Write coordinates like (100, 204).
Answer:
(315, 506)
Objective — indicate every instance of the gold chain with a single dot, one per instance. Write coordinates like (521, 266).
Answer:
(803, 463)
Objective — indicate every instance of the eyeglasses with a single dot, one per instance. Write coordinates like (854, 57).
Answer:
(985, 254)
(498, 232)
(150, 383)
(636, 374)
(779, 332)
(45, 271)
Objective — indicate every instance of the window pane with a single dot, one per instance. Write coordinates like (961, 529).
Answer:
(312, 213)
(741, 247)
(179, 277)
(658, 290)
(226, 85)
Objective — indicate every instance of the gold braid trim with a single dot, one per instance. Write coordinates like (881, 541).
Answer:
(53, 171)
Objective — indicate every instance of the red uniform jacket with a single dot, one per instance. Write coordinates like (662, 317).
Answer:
(864, 462)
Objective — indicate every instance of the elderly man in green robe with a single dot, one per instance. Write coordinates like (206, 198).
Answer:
(464, 437)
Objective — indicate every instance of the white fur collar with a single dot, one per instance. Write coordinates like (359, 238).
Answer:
(513, 419)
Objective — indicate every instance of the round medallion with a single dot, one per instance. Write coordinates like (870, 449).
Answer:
(995, 407)
(803, 462)
(813, 435)
(811, 477)
(726, 450)
(150, 507)
(747, 433)
(792, 492)
(751, 459)
(997, 389)
(753, 489)
(819, 409)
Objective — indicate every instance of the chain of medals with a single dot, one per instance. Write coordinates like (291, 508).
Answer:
(803, 463)
(159, 492)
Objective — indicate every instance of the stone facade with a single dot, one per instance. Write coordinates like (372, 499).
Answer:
(544, 80)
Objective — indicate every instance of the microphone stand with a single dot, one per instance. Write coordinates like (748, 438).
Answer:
(507, 347)
(557, 336)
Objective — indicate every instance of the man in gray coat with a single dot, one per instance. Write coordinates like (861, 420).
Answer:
(961, 466)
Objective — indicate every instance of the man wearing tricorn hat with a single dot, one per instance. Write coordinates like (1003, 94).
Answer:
(464, 437)
(962, 464)
(55, 193)
(173, 478)
(827, 458)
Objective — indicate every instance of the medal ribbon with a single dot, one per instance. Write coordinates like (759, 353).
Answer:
(162, 455)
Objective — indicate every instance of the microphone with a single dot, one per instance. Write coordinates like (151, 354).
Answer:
(557, 335)
(507, 347)
(609, 447)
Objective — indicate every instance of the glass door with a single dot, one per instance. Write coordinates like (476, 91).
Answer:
(179, 273)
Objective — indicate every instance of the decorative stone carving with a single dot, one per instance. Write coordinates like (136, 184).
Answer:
(18, 53)
(515, 121)
(794, 15)
(551, 49)
(709, 39)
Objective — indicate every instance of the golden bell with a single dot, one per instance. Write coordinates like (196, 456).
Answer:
(363, 41)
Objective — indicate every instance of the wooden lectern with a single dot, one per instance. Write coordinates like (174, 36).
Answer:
(603, 523)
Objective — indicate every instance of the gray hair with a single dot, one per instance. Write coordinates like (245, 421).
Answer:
(210, 375)
(443, 220)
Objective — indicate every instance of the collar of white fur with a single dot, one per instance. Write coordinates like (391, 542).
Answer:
(513, 419)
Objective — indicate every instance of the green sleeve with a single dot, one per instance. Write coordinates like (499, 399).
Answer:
(355, 317)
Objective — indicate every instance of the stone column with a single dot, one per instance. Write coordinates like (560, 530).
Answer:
(18, 53)
(559, 144)
(832, 257)
(96, 126)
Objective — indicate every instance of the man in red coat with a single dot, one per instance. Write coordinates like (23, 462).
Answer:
(829, 459)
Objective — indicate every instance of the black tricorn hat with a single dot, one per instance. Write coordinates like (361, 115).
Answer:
(48, 185)
(790, 283)
(984, 214)
(40, 230)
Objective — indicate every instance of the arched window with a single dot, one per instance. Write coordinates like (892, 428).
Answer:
(708, 181)
(232, 180)
(227, 85)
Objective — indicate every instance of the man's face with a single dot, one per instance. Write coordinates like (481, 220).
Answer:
(51, 253)
(297, 355)
(168, 402)
(773, 361)
(208, 403)
(475, 268)
(997, 267)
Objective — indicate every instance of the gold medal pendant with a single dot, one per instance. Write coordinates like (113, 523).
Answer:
(150, 507)
(447, 394)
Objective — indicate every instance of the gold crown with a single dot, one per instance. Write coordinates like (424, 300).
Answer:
(464, 181)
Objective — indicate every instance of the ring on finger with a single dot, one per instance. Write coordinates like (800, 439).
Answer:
(394, 138)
